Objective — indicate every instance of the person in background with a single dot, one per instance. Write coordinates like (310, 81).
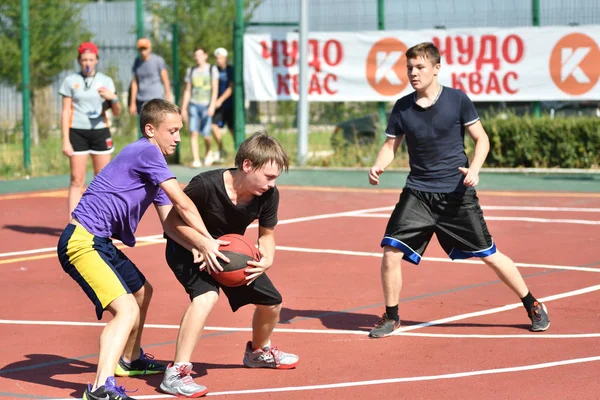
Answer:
(224, 104)
(150, 77)
(198, 106)
(86, 96)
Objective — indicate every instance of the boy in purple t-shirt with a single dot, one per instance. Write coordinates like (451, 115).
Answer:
(112, 207)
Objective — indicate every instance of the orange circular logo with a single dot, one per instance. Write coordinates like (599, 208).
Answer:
(574, 63)
(386, 66)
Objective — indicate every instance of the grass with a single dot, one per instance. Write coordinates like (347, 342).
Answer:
(47, 158)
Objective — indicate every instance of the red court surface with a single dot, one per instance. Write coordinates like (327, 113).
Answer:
(464, 335)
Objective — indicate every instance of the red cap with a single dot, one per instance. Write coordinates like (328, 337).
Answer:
(87, 47)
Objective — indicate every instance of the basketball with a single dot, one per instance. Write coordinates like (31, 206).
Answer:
(239, 251)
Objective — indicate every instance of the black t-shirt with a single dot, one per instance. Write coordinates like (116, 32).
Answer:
(220, 215)
(435, 139)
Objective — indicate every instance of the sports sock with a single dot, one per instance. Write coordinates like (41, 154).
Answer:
(528, 301)
(392, 312)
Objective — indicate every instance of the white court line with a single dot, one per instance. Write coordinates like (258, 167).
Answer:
(339, 385)
(353, 332)
(152, 238)
(533, 208)
(395, 380)
(545, 220)
(500, 336)
(493, 218)
(327, 331)
(159, 239)
(365, 213)
(497, 309)
(434, 259)
(544, 209)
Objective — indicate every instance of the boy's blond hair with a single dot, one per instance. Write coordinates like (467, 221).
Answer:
(261, 149)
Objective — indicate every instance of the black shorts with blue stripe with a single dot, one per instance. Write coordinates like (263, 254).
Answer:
(455, 218)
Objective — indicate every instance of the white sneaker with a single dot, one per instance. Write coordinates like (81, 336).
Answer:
(217, 155)
(269, 357)
(177, 381)
(197, 164)
(209, 159)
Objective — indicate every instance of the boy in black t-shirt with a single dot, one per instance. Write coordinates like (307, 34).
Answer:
(229, 200)
(439, 196)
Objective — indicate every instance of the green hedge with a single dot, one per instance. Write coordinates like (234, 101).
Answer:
(543, 142)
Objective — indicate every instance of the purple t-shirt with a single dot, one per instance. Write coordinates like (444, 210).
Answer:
(120, 194)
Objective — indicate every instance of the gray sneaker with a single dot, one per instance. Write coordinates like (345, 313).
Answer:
(538, 314)
(269, 357)
(384, 327)
(177, 381)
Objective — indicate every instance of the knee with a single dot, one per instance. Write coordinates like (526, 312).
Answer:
(194, 135)
(148, 290)
(144, 295)
(77, 180)
(496, 260)
(126, 306)
(269, 309)
(205, 301)
(392, 257)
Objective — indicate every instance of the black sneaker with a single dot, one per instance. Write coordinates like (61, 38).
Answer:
(538, 314)
(145, 365)
(384, 327)
(108, 391)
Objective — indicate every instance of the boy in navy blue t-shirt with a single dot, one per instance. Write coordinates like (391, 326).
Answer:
(439, 196)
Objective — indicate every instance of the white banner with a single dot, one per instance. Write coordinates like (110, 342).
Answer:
(520, 64)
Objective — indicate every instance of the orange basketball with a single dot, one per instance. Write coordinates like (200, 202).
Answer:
(239, 251)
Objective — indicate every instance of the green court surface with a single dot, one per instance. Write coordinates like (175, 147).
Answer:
(357, 178)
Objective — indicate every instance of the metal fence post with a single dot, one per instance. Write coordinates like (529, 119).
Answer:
(238, 75)
(302, 151)
(535, 21)
(176, 82)
(26, 85)
(139, 18)
(381, 104)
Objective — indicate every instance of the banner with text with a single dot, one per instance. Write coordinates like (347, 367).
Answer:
(520, 64)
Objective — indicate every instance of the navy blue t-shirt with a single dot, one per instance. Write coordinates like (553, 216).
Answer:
(225, 76)
(435, 139)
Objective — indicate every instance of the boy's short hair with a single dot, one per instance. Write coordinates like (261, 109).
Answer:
(154, 111)
(427, 50)
(261, 149)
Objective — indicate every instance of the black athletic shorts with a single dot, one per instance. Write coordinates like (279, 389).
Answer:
(222, 117)
(195, 282)
(91, 141)
(455, 218)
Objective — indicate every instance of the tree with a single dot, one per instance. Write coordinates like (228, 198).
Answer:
(55, 31)
(205, 23)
